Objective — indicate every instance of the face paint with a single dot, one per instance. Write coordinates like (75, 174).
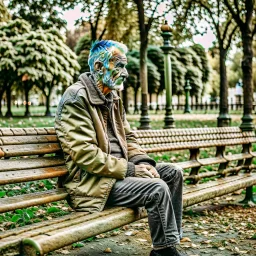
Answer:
(114, 73)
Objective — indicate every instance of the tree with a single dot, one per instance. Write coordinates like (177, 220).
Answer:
(56, 63)
(4, 14)
(38, 58)
(133, 80)
(216, 14)
(95, 12)
(39, 13)
(8, 53)
(82, 50)
(244, 15)
(145, 24)
(122, 22)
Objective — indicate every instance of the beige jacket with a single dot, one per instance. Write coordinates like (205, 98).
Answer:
(83, 137)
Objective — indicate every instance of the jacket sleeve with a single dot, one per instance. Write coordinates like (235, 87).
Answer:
(78, 139)
(136, 154)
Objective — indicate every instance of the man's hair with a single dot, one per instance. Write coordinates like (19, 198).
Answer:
(100, 51)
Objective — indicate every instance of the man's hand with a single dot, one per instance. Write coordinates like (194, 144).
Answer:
(142, 171)
(153, 171)
(146, 171)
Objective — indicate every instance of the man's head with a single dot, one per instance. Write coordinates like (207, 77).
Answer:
(107, 60)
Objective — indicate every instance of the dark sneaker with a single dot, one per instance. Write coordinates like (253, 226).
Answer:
(169, 251)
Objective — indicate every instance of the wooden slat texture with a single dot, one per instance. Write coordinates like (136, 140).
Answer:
(223, 189)
(212, 160)
(27, 200)
(30, 163)
(188, 164)
(6, 132)
(30, 149)
(13, 238)
(238, 156)
(202, 186)
(32, 174)
(59, 237)
(19, 140)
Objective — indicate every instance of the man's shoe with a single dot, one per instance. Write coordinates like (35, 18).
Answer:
(169, 251)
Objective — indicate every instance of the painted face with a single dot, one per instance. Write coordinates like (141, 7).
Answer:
(116, 73)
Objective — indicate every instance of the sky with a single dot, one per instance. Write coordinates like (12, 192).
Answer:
(205, 40)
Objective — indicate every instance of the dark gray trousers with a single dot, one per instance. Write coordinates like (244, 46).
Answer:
(162, 199)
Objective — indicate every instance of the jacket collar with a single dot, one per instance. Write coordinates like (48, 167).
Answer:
(94, 96)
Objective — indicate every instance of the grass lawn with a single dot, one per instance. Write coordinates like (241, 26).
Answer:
(196, 119)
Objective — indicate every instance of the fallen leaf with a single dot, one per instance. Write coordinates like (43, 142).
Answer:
(108, 250)
(185, 239)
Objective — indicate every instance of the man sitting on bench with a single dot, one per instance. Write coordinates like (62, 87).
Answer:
(106, 165)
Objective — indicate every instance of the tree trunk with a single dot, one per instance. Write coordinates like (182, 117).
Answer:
(27, 112)
(48, 111)
(150, 101)
(1, 97)
(125, 100)
(9, 101)
(157, 103)
(247, 119)
(144, 120)
(136, 110)
(93, 33)
(223, 118)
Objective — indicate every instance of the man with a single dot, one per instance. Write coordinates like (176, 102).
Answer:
(106, 165)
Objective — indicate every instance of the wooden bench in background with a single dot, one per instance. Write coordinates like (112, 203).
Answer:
(30, 154)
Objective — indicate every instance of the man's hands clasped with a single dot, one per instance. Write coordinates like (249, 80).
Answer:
(146, 171)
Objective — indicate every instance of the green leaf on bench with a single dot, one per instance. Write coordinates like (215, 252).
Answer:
(2, 194)
(16, 218)
(53, 209)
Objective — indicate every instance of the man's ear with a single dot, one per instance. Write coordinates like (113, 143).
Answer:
(98, 66)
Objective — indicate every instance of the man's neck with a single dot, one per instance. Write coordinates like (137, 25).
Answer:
(104, 89)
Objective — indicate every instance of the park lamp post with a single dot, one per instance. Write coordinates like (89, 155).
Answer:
(167, 34)
(187, 89)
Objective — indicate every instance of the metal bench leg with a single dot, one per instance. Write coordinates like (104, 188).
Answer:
(249, 198)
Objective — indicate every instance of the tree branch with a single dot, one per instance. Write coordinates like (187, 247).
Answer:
(99, 14)
(151, 19)
(236, 5)
(102, 33)
(231, 36)
(208, 9)
(249, 12)
(226, 28)
(254, 30)
(235, 16)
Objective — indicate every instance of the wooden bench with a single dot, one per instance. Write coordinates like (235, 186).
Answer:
(32, 154)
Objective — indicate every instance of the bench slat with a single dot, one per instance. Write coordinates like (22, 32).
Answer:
(238, 156)
(188, 164)
(201, 186)
(27, 200)
(32, 174)
(30, 163)
(192, 145)
(30, 149)
(18, 140)
(54, 240)
(211, 160)
(222, 189)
